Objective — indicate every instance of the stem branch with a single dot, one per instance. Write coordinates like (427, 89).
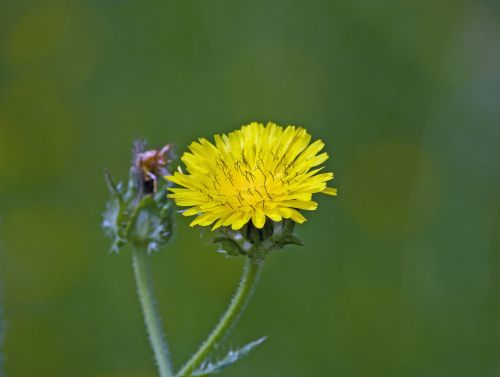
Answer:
(253, 266)
(141, 265)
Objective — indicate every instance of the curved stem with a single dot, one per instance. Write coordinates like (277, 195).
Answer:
(141, 265)
(248, 281)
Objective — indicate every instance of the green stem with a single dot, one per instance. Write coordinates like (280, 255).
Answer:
(141, 265)
(248, 281)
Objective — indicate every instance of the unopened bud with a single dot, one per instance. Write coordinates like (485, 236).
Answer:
(142, 213)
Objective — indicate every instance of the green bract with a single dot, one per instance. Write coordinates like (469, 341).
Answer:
(250, 240)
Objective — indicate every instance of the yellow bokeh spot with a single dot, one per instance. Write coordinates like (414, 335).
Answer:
(35, 144)
(37, 33)
(50, 42)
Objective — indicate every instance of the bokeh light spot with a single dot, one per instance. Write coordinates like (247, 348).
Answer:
(38, 143)
(384, 184)
(44, 253)
(37, 33)
(51, 42)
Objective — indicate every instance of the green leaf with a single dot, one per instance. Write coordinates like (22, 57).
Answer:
(232, 357)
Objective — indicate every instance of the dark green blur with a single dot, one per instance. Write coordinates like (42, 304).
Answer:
(400, 276)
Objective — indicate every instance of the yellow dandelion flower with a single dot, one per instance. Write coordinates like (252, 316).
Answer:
(254, 173)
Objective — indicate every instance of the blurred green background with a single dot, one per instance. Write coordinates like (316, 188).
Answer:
(400, 275)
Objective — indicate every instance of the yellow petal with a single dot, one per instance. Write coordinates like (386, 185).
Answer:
(297, 216)
(273, 214)
(241, 221)
(259, 218)
(307, 205)
(330, 191)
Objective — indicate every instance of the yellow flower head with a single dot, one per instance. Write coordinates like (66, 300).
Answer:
(250, 174)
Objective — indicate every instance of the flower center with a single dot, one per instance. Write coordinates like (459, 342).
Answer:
(239, 184)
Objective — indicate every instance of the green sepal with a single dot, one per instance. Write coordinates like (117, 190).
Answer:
(288, 226)
(290, 240)
(283, 234)
(250, 240)
(228, 246)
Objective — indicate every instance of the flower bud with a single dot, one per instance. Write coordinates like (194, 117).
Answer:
(142, 213)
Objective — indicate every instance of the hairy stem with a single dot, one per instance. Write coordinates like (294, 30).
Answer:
(142, 272)
(250, 276)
